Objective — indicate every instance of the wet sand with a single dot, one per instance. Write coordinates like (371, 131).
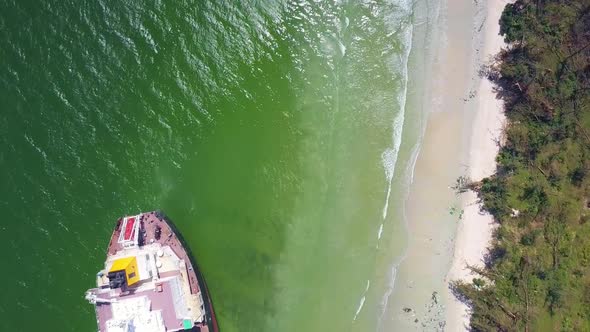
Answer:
(416, 302)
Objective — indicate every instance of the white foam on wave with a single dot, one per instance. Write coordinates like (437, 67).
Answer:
(342, 48)
(385, 299)
(414, 159)
(30, 140)
(362, 301)
(360, 307)
(390, 156)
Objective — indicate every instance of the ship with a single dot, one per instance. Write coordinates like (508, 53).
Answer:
(150, 281)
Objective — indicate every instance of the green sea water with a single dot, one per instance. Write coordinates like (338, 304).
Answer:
(268, 131)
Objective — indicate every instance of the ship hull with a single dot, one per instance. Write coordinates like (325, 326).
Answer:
(155, 229)
(211, 319)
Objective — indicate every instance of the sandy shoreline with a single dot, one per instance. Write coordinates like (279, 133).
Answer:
(463, 120)
(475, 229)
(446, 56)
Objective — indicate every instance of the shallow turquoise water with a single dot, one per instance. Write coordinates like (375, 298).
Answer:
(259, 128)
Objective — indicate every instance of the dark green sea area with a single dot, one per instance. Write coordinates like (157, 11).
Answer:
(268, 131)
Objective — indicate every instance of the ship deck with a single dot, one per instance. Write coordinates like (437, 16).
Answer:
(160, 300)
(150, 224)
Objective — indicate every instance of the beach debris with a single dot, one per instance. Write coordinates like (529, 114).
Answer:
(452, 210)
(434, 316)
(455, 210)
(515, 213)
(464, 184)
(407, 310)
(461, 185)
(416, 320)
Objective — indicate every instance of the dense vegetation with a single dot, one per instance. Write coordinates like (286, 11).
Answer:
(537, 273)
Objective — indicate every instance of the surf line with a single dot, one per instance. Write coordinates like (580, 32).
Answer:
(390, 156)
(389, 160)
(362, 302)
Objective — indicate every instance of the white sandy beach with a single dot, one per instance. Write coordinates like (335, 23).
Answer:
(464, 120)
(474, 231)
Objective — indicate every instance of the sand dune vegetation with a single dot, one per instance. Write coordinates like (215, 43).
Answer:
(537, 272)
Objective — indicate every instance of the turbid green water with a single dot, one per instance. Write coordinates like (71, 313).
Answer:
(267, 130)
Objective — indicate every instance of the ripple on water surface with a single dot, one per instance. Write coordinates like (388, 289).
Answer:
(260, 129)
